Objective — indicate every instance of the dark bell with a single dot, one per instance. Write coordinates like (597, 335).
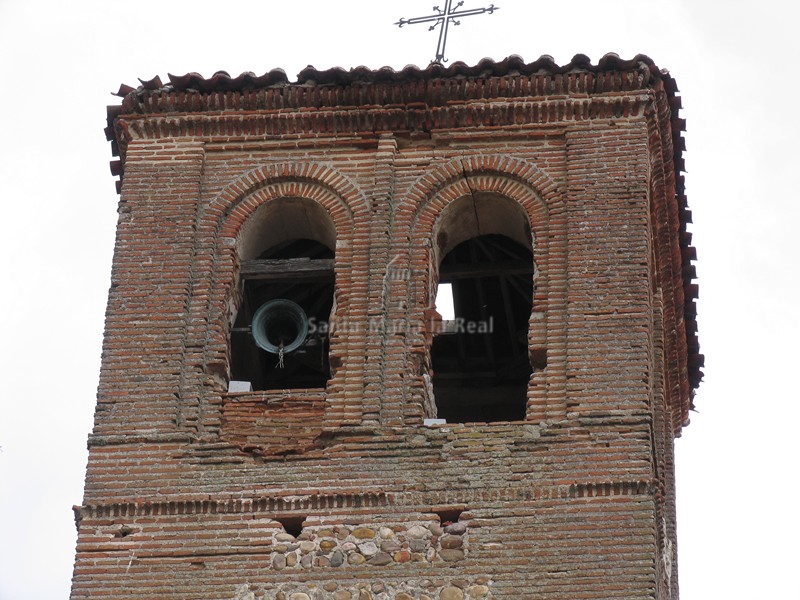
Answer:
(279, 323)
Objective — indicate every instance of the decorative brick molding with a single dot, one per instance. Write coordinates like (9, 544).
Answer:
(320, 503)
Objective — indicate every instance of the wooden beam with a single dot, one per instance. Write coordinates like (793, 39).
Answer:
(288, 269)
(448, 272)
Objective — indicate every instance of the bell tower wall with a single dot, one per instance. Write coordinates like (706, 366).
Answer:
(549, 198)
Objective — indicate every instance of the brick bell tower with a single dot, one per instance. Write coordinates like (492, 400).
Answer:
(282, 411)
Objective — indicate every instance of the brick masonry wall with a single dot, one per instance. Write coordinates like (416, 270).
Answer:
(188, 486)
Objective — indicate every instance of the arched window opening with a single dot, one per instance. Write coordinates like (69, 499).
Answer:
(280, 336)
(480, 358)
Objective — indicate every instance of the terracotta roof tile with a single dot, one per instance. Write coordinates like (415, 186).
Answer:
(222, 81)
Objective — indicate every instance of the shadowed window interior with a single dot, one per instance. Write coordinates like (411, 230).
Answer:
(480, 357)
(300, 271)
(279, 338)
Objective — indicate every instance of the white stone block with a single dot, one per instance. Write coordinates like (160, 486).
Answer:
(239, 386)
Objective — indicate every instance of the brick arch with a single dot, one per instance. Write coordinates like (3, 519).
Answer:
(517, 179)
(218, 227)
(427, 187)
(237, 214)
(540, 198)
(321, 175)
(232, 208)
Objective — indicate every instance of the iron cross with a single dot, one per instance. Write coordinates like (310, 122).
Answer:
(444, 18)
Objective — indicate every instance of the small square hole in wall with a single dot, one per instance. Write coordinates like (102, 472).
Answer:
(123, 531)
(448, 516)
(291, 524)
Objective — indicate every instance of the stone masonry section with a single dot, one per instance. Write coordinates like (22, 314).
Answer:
(199, 489)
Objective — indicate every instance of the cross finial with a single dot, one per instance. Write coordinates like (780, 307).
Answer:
(444, 18)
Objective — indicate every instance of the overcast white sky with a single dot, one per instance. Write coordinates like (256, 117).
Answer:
(736, 65)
